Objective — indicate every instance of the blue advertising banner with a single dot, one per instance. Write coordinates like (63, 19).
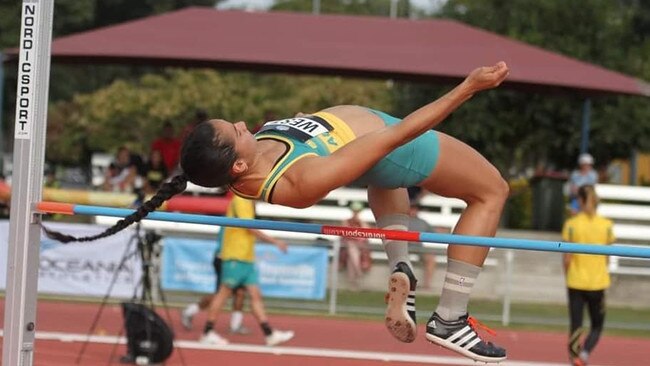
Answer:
(187, 265)
(301, 273)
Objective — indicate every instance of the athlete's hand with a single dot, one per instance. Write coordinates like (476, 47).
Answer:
(487, 77)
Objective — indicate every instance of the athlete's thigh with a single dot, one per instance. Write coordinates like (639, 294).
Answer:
(384, 201)
(462, 172)
(254, 292)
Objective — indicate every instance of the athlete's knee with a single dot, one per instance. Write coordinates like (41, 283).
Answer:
(502, 189)
(494, 193)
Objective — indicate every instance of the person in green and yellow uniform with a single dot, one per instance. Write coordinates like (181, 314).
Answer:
(238, 269)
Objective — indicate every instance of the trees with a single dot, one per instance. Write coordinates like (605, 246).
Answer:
(519, 129)
(513, 129)
(72, 16)
(132, 112)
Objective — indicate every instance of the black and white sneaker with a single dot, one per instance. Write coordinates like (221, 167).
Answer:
(460, 336)
(400, 313)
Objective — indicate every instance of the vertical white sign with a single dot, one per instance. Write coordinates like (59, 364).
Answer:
(25, 108)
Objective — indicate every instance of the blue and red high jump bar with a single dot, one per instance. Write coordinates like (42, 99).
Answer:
(354, 232)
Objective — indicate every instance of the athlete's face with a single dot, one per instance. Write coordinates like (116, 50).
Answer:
(239, 136)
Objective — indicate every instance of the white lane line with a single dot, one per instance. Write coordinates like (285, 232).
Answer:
(296, 351)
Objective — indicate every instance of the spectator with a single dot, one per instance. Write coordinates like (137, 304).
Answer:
(155, 172)
(584, 175)
(238, 255)
(169, 146)
(587, 275)
(416, 223)
(122, 172)
(354, 249)
(236, 316)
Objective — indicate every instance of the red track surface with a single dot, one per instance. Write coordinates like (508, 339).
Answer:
(311, 332)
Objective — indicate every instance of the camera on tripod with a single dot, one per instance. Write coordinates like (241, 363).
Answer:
(149, 338)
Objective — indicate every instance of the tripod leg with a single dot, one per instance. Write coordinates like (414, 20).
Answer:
(93, 325)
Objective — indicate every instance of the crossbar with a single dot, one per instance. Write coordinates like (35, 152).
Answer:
(356, 232)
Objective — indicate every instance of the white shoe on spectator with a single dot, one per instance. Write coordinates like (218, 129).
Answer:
(278, 336)
(187, 314)
(213, 338)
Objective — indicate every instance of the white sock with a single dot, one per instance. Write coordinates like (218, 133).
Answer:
(191, 309)
(459, 281)
(396, 250)
(236, 319)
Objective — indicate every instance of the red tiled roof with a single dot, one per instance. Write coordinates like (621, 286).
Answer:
(425, 50)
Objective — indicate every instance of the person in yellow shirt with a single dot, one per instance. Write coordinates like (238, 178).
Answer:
(587, 275)
(238, 269)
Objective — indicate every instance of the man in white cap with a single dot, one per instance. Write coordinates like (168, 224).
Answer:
(584, 175)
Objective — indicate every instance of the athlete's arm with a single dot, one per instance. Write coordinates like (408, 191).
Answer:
(312, 178)
(281, 244)
(566, 261)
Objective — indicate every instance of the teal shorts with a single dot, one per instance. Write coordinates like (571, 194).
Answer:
(238, 273)
(406, 166)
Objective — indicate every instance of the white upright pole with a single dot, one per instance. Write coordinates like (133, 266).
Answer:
(334, 286)
(507, 295)
(27, 180)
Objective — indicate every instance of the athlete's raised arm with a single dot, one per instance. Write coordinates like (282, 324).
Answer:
(313, 178)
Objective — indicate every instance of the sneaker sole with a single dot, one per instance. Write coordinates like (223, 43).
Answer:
(467, 353)
(210, 343)
(397, 319)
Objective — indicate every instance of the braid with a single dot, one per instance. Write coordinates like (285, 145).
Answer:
(166, 191)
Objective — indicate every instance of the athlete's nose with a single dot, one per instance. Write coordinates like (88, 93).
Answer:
(241, 126)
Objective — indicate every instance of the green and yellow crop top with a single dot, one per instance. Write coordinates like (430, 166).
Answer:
(319, 134)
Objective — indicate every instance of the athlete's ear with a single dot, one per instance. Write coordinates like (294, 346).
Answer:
(239, 167)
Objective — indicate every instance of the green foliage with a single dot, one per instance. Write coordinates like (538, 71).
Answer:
(515, 130)
(9, 23)
(518, 212)
(522, 129)
(71, 16)
(132, 112)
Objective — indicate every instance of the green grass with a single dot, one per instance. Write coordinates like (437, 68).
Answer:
(535, 316)
(369, 305)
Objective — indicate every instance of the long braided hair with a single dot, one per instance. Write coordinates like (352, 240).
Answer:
(202, 148)
(167, 190)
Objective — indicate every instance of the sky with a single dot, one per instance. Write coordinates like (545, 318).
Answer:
(264, 4)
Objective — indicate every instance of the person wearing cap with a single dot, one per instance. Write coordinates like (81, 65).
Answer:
(584, 175)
